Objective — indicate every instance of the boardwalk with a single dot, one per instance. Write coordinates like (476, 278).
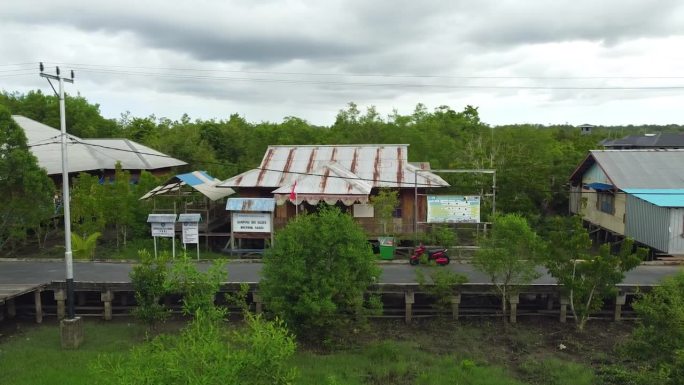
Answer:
(39, 272)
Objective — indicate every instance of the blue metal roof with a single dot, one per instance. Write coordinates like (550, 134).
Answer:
(659, 197)
(250, 204)
(192, 179)
(600, 186)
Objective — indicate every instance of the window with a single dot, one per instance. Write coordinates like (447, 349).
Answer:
(605, 202)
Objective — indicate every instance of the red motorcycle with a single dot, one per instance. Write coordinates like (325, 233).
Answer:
(438, 255)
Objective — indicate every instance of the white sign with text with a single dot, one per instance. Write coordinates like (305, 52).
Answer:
(163, 229)
(251, 222)
(190, 232)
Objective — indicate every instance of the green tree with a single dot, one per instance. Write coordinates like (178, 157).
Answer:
(149, 282)
(384, 205)
(26, 190)
(87, 205)
(197, 288)
(441, 285)
(658, 341)
(586, 279)
(509, 256)
(316, 275)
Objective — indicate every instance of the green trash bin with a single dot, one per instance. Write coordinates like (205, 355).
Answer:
(387, 247)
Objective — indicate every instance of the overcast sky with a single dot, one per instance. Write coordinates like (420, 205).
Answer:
(525, 61)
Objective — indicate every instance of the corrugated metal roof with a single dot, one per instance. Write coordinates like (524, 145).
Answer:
(659, 197)
(250, 204)
(651, 169)
(380, 165)
(330, 178)
(198, 180)
(658, 140)
(90, 154)
(161, 218)
(189, 217)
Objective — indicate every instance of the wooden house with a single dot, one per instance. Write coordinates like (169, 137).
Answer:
(632, 193)
(343, 175)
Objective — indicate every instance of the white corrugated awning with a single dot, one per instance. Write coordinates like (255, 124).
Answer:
(198, 180)
(329, 183)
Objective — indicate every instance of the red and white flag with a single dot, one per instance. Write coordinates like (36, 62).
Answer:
(293, 193)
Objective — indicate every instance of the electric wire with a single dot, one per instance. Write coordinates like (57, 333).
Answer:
(75, 141)
(84, 66)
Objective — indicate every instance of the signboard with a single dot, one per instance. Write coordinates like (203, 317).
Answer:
(364, 210)
(163, 229)
(190, 232)
(453, 209)
(251, 222)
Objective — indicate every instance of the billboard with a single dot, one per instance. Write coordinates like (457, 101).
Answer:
(453, 209)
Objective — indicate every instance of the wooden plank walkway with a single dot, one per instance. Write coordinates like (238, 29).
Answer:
(11, 291)
(8, 293)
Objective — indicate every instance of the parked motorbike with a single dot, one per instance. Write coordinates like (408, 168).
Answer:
(438, 255)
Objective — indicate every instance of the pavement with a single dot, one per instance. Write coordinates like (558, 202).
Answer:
(39, 272)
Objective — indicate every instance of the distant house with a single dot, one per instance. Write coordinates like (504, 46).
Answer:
(632, 193)
(95, 156)
(661, 140)
(342, 175)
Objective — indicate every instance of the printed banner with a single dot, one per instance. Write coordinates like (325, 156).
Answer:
(453, 209)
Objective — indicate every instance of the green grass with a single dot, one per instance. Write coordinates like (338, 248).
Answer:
(391, 354)
(35, 356)
(396, 363)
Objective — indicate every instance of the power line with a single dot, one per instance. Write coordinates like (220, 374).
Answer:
(406, 85)
(218, 163)
(83, 66)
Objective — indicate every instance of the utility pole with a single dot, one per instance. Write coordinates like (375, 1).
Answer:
(68, 256)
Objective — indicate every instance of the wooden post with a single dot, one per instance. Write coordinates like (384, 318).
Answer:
(257, 302)
(2, 310)
(124, 299)
(60, 297)
(107, 297)
(39, 305)
(514, 300)
(81, 298)
(409, 300)
(455, 303)
(564, 301)
(620, 300)
(11, 308)
(549, 302)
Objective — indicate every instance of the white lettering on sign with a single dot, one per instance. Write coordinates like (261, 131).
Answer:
(251, 222)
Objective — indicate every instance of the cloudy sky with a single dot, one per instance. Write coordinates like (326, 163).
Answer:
(523, 61)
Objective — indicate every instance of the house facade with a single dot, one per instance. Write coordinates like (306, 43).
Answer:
(632, 193)
(299, 177)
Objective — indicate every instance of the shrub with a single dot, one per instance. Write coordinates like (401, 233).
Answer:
(316, 275)
(149, 282)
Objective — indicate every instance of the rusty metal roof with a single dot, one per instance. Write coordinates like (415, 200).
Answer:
(250, 204)
(315, 167)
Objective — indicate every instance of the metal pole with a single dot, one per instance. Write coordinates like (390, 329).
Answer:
(68, 255)
(415, 207)
(494, 193)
